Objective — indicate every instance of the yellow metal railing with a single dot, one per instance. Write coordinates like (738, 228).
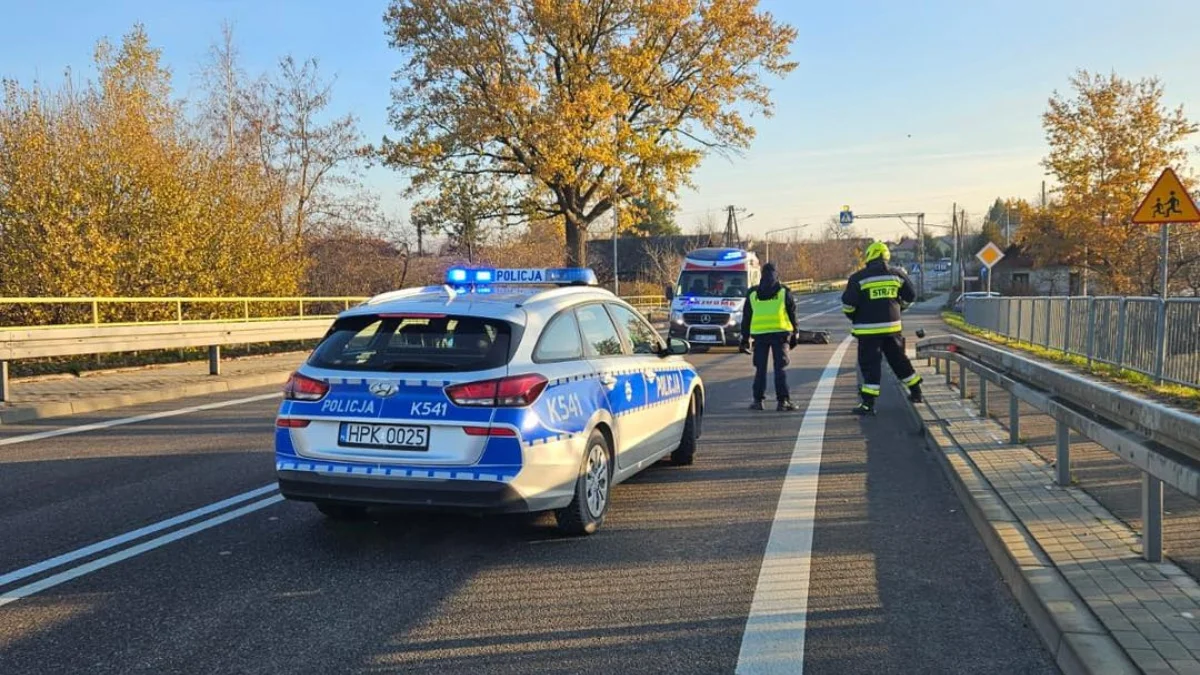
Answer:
(79, 312)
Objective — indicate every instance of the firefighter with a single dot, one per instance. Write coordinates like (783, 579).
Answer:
(769, 316)
(873, 300)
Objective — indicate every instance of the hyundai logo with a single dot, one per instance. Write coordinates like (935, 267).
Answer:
(706, 319)
(383, 389)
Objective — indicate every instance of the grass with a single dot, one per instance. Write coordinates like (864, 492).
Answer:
(1180, 395)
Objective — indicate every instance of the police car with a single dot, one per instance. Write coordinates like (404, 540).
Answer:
(492, 392)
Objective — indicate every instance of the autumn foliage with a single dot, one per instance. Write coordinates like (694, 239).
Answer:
(1109, 140)
(574, 106)
(106, 190)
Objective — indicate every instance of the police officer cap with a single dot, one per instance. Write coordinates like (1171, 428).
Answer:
(769, 268)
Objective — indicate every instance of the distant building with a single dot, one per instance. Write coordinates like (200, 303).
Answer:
(1018, 274)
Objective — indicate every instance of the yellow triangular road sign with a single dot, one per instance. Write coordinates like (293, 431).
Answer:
(1167, 202)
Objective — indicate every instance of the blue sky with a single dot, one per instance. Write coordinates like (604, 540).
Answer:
(895, 106)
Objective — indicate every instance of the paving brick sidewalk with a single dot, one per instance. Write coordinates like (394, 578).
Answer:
(1151, 610)
(54, 396)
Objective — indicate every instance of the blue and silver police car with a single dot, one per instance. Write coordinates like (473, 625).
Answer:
(502, 390)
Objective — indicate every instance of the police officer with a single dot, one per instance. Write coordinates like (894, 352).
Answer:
(769, 316)
(873, 300)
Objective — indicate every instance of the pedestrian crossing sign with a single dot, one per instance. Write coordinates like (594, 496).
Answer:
(1167, 202)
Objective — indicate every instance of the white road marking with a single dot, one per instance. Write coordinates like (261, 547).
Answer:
(125, 554)
(824, 311)
(113, 542)
(41, 435)
(773, 641)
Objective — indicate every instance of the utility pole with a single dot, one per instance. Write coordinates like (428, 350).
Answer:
(954, 273)
(1043, 194)
(921, 251)
(732, 237)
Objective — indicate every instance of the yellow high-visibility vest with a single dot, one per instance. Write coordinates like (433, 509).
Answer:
(769, 316)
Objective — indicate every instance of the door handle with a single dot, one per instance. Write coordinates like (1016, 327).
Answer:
(651, 376)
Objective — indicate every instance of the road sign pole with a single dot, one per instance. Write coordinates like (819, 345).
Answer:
(1160, 346)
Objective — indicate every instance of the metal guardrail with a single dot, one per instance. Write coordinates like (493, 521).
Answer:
(36, 343)
(109, 311)
(1144, 335)
(1164, 443)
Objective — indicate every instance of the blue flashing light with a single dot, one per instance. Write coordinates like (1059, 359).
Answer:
(554, 276)
(733, 255)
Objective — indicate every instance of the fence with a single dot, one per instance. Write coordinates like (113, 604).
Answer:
(1143, 335)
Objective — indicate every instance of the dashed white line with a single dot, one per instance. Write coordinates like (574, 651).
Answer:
(773, 641)
(79, 429)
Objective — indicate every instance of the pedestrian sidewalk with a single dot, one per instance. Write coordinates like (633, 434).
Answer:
(54, 396)
(1073, 566)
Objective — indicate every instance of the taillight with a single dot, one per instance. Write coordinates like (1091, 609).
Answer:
(301, 388)
(289, 423)
(506, 392)
(505, 432)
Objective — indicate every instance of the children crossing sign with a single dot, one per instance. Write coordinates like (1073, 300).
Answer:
(1167, 202)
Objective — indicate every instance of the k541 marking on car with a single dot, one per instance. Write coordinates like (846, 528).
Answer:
(502, 390)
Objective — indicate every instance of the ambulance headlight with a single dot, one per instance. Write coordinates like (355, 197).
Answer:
(676, 316)
(735, 318)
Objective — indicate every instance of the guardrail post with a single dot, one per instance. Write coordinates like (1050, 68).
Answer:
(983, 396)
(947, 371)
(1014, 419)
(3, 381)
(962, 381)
(1062, 454)
(1152, 515)
(246, 309)
(214, 360)
(95, 313)
(301, 309)
(179, 311)
(937, 365)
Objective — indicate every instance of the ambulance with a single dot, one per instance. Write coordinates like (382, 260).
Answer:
(708, 298)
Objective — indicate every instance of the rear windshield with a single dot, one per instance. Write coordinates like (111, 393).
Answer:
(413, 343)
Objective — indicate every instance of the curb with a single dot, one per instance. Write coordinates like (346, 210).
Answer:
(26, 413)
(1078, 642)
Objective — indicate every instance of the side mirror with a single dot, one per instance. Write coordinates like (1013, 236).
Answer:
(676, 347)
(669, 291)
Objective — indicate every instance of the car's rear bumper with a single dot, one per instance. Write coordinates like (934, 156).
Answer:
(470, 495)
(537, 488)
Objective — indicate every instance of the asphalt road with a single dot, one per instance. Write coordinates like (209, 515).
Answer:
(899, 582)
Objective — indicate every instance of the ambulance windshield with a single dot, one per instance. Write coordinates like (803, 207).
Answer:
(712, 285)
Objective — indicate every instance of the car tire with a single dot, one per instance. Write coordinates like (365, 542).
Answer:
(685, 454)
(585, 514)
(344, 512)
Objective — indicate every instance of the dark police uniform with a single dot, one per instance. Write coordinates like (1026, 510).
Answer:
(769, 317)
(873, 300)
